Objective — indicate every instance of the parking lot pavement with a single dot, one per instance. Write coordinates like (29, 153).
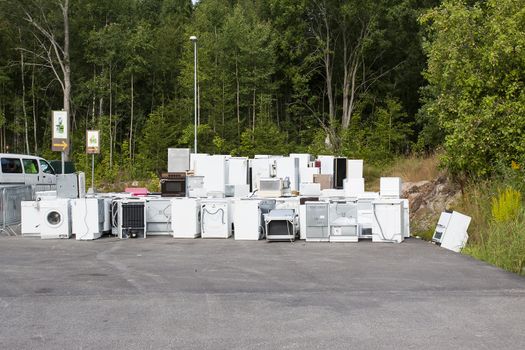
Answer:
(223, 294)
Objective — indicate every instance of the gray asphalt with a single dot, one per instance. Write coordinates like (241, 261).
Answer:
(163, 293)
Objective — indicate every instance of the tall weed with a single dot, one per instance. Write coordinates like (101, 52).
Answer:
(507, 205)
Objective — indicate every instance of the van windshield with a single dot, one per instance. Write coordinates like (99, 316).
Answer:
(46, 168)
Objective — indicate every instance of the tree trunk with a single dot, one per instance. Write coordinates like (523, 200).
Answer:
(34, 109)
(24, 111)
(238, 98)
(253, 113)
(131, 122)
(110, 118)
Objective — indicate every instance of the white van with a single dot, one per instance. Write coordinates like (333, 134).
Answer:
(25, 169)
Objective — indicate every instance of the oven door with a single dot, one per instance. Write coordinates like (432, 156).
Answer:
(173, 187)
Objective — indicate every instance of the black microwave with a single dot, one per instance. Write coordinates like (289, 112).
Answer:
(173, 185)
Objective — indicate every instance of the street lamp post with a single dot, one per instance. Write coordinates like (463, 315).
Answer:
(193, 38)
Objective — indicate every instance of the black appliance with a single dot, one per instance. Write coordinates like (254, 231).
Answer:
(339, 172)
(173, 185)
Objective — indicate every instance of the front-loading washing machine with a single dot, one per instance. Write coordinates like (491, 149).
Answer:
(55, 218)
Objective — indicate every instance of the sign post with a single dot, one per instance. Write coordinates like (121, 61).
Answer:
(60, 140)
(93, 147)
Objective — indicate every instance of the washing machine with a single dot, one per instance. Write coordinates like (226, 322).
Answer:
(387, 224)
(158, 216)
(186, 217)
(87, 216)
(216, 218)
(30, 218)
(55, 217)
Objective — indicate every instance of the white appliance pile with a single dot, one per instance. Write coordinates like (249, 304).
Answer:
(275, 198)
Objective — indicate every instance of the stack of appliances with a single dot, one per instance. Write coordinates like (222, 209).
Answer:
(389, 212)
(343, 221)
(128, 217)
(87, 218)
(186, 217)
(317, 222)
(216, 218)
(249, 218)
(281, 225)
(451, 231)
(158, 216)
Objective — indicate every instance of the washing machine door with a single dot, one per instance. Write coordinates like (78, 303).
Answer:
(54, 218)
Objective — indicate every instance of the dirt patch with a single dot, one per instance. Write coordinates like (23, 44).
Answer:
(428, 199)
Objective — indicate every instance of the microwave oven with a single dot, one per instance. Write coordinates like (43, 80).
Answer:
(173, 185)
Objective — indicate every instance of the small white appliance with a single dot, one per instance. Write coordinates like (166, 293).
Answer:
(128, 217)
(158, 216)
(186, 217)
(317, 222)
(310, 189)
(327, 164)
(281, 225)
(55, 218)
(451, 231)
(248, 218)
(354, 186)
(178, 160)
(87, 216)
(270, 187)
(288, 167)
(216, 218)
(387, 224)
(343, 221)
(390, 187)
(30, 218)
(354, 168)
(365, 213)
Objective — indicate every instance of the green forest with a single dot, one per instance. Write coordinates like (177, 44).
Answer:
(369, 80)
